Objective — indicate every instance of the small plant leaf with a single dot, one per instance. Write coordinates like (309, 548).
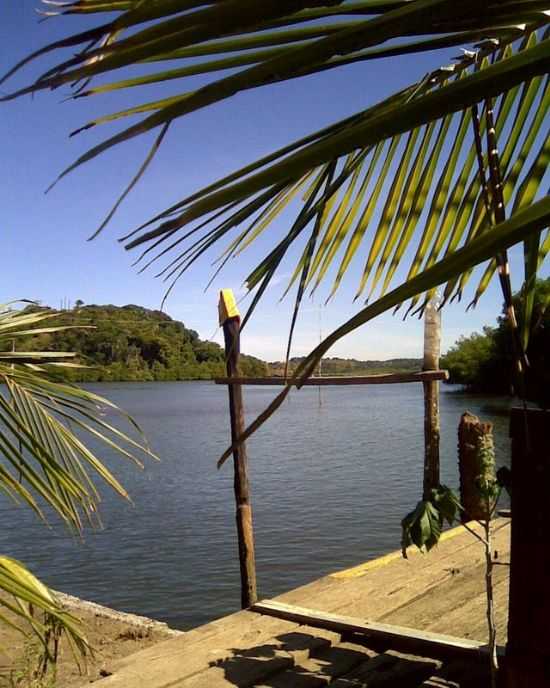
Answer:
(446, 502)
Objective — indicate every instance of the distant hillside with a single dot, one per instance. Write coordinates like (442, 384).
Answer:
(135, 343)
(351, 366)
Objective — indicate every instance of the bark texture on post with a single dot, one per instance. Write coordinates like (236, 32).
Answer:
(528, 648)
(471, 436)
(230, 319)
(432, 349)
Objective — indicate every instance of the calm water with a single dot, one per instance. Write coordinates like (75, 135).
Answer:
(330, 485)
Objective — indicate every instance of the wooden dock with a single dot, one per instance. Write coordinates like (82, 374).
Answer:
(335, 641)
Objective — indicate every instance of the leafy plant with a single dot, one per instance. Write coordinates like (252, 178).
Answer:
(46, 464)
(423, 526)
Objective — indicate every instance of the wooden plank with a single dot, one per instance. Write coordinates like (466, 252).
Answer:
(383, 590)
(386, 379)
(361, 569)
(234, 643)
(458, 601)
(262, 661)
(389, 670)
(171, 661)
(322, 667)
(230, 320)
(398, 638)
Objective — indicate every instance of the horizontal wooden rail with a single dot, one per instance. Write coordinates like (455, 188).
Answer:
(385, 379)
(422, 643)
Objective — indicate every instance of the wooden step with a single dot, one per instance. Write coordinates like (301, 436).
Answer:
(389, 670)
(246, 668)
(321, 668)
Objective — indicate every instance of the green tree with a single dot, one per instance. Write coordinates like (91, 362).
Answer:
(534, 302)
(471, 360)
(485, 362)
(133, 343)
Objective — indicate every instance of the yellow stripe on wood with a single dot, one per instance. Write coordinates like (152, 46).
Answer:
(361, 569)
(227, 307)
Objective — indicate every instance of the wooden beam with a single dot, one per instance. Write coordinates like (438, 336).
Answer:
(528, 650)
(387, 379)
(230, 320)
(422, 643)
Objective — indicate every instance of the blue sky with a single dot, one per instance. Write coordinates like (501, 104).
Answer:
(43, 242)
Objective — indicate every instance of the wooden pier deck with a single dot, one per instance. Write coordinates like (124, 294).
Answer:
(438, 593)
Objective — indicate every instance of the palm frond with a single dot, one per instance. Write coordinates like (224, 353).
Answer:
(402, 181)
(527, 222)
(26, 595)
(46, 463)
(453, 202)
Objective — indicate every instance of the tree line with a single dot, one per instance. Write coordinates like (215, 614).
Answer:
(484, 362)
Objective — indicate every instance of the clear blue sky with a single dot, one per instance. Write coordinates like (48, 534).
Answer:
(43, 242)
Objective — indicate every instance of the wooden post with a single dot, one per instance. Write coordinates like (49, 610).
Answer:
(471, 434)
(528, 650)
(432, 349)
(230, 320)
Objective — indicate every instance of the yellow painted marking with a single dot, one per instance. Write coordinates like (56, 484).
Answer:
(361, 569)
(227, 307)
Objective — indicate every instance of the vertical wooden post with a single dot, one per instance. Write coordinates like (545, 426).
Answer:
(528, 649)
(230, 320)
(471, 435)
(432, 349)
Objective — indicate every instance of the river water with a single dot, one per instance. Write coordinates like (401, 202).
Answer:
(331, 478)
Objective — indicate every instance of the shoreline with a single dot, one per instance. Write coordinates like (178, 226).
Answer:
(113, 635)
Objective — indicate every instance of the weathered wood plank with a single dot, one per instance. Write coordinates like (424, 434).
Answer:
(397, 637)
(380, 591)
(398, 591)
(322, 667)
(251, 666)
(389, 670)
(458, 602)
(385, 379)
(173, 660)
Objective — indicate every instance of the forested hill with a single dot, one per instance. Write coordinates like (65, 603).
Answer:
(134, 343)
(127, 343)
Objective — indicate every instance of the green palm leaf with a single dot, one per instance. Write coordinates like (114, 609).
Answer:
(527, 222)
(44, 461)
(398, 182)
